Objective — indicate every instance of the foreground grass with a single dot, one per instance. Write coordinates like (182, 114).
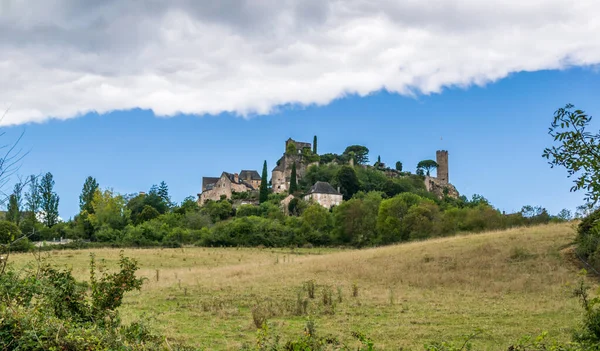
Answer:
(506, 283)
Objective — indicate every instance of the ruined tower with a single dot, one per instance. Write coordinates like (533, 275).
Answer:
(441, 157)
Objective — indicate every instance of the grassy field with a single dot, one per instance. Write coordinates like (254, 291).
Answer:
(509, 284)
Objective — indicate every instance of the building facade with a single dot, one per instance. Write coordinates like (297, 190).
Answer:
(228, 183)
(324, 194)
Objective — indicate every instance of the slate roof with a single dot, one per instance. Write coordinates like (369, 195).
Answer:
(249, 174)
(209, 181)
(231, 177)
(323, 188)
(279, 166)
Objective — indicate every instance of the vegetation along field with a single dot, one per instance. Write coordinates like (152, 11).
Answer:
(506, 284)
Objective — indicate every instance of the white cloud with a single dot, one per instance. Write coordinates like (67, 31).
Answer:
(64, 58)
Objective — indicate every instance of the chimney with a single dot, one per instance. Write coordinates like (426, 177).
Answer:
(236, 178)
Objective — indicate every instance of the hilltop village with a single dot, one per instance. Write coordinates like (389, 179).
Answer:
(293, 166)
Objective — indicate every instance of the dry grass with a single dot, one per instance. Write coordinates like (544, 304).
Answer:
(508, 283)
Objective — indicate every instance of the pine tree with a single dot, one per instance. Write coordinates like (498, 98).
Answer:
(315, 145)
(49, 200)
(264, 190)
(293, 181)
(87, 195)
(163, 193)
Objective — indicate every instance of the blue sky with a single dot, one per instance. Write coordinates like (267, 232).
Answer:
(494, 134)
(115, 89)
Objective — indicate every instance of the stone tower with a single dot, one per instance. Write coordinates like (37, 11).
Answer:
(441, 157)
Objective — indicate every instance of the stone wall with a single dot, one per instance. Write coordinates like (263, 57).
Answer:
(223, 186)
(280, 179)
(442, 169)
(325, 200)
(440, 188)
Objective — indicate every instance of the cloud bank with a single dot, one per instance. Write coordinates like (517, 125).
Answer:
(63, 58)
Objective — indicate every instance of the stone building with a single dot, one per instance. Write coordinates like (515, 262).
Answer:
(251, 177)
(228, 183)
(324, 194)
(441, 157)
(440, 185)
(282, 173)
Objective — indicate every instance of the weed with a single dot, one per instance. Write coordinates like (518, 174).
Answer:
(354, 290)
(259, 316)
(310, 288)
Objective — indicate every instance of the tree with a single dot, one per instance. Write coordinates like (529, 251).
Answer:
(9, 232)
(291, 149)
(564, 215)
(33, 197)
(293, 181)
(87, 194)
(360, 153)
(315, 145)
(577, 150)
(49, 200)
(109, 210)
(163, 193)
(399, 166)
(348, 182)
(264, 186)
(378, 163)
(427, 166)
(12, 212)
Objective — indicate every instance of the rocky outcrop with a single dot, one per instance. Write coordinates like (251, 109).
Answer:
(440, 188)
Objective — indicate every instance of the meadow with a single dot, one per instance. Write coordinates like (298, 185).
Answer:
(505, 283)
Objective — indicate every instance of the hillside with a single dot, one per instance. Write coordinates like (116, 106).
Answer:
(508, 283)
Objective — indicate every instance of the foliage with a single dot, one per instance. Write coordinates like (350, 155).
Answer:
(49, 200)
(109, 209)
(33, 197)
(291, 149)
(13, 212)
(52, 311)
(264, 190)
(355, 219)
(426, 166)
(293, 180)
(399, 166)
(314, 150)
(359, 153)
(348, 182)
(9, 232)
(87, 194)
(578, 150)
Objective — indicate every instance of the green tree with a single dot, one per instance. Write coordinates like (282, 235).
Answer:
(348, 182)
(109, 209)
(264, 186)
(427, 166)
(33, 197)
(87, 194)
(12, 211)
(291, 149)
(9, 232)
(399, 166)
(390, 226)
(148, 213)
(359, 153)
(49, 203)
(163, 193)
(378, 163)
(293, 181)
(315, 145)
(577, 150)
(355, 220)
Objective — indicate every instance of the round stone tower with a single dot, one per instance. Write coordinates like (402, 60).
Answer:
(442, 161)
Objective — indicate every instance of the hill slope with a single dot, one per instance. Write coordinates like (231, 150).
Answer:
(508, 283)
